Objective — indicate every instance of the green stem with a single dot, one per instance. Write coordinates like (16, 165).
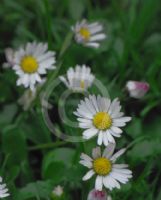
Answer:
(48, 22)
(48, 145)
(136, 141)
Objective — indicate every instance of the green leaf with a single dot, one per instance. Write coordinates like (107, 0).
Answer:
(145, 149)
(76, 9)
(7, 114)
(63, 155)
(37, 190)
(14, 145)
(56, 163)
(134, 129)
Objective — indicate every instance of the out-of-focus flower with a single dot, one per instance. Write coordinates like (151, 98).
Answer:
(137, 89)
(79, 78)
(31, 62)
(9, 53)
(108, 173)
(3, 189)
(58, 193)
(88, 34)
(101, 117)
(98, 195)
(29, 96)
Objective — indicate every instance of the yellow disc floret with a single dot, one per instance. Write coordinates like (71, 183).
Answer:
(102, 166)
(102, 120)
(29, 64)
(85, 33)
(82, 84)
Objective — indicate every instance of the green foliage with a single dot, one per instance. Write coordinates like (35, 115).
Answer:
(32, 159)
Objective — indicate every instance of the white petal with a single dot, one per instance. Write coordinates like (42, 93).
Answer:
(105, 139)
(100, 138)
(116, 129)
(96, 152)
(86, 163)
(93, 44)
(122, 119)
(120, 166)
(109, 150)
(110, 137)
(99, 183)
(118, 154)
(89, 133)
(88, 175)
(97, 37)
(86, 157)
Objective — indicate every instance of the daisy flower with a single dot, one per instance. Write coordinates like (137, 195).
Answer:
(79, 78)
(31, 62)
(107, 173)
(101, 117)
(88, 34)
(137, 89)
(3, 189)
(98, 195)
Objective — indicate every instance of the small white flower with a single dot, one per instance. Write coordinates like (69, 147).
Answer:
(137, 89)
(79, 78)
(29, 96)
(107, 173)
(58, 191)
(31, 62)
(98, 195)
(3, 189)
(101, 117)
(9, 53)
(88, 34)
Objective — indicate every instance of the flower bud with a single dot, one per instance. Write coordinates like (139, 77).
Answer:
(137, 89)
(98, 195)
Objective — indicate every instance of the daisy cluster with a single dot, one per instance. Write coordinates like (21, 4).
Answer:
(98, 116)
(102, 118)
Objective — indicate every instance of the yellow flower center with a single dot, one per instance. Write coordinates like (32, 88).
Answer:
(102, 166)
(29, 64)
(82, 84)
(85, 33)
(102, 120)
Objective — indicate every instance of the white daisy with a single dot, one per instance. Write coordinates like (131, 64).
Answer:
(3, 189)
(99, 116)
(103, 166)
(78, 79)
(98, 195)
(88, 34)
(31, 62)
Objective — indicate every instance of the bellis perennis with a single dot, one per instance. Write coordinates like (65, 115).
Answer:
(88, 34)
(101, 117)
(107, 173)
(3, 190)
(31, 62)
(79, 78)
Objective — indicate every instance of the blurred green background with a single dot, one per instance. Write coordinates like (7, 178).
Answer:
(32, 160)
